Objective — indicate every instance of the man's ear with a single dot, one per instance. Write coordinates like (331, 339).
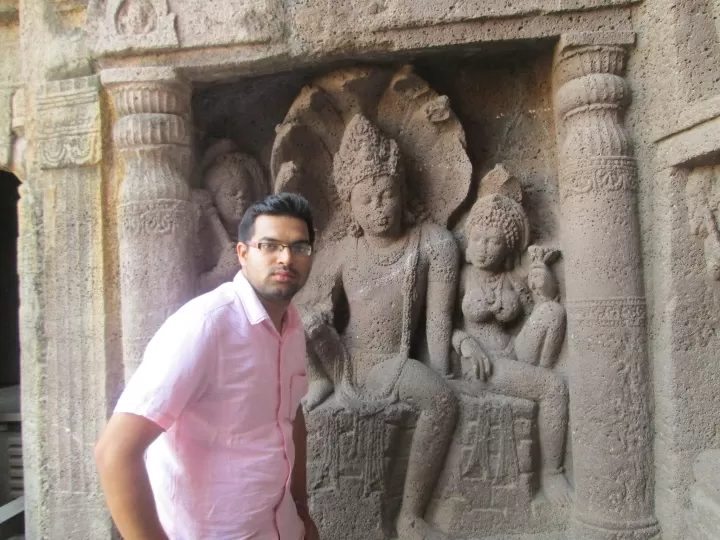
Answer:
(242, 251)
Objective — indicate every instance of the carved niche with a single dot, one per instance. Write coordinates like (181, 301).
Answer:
(381, 157)
(231, 181)
(125, 25)
(703, 202)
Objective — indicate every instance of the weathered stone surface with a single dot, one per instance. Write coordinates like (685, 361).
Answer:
(68, 133)
(605, 207)
(609, 383)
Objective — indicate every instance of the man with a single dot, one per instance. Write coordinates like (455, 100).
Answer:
(203, 440)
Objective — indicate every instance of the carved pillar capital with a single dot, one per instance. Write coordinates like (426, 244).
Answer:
(153, 135)
(609, 377)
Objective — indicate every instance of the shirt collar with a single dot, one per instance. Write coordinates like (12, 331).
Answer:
(254, 309)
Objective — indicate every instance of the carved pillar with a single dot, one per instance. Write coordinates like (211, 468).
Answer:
(156, 221)
(609, 378)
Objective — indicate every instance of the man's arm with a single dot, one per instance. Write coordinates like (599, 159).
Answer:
(440, 302)
(119, 455)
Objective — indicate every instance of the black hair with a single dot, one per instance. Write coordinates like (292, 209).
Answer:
(282, 204)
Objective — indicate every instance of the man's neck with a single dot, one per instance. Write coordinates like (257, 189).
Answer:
(275, 309)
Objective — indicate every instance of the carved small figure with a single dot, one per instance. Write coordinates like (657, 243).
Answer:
(390, 274)
(232, 180)
(703, 201)
(494, 301)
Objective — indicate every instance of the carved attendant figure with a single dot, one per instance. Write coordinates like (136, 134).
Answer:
(494, 300)
(391, 275)
(232, 181)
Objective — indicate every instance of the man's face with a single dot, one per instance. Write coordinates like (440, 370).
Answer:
(281, 274)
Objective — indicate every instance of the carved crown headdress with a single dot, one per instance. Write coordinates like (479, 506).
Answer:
(364, 153)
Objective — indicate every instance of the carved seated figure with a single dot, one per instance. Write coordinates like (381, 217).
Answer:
(232, 181)
(390, 275)
(495, 302)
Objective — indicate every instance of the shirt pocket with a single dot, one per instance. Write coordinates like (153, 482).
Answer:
(298, 388)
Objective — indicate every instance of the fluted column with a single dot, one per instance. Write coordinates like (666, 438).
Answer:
(611, 424)
(156, 224)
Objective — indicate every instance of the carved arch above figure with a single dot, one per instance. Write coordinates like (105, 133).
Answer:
(405, 108)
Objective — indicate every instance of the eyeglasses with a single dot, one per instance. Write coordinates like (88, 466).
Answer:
(268, 247)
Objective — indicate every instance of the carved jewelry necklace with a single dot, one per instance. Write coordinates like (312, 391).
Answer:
(385, 259)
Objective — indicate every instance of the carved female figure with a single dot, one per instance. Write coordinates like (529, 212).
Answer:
(232, 180)
(495, 300)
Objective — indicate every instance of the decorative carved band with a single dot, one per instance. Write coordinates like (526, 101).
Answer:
(139, 98)
(68, 92)
(68, 125)
(158, 218)
(608, 312)
(69, 151)
(597, 175)
(138, 130)
(592, 92)
(577, 62)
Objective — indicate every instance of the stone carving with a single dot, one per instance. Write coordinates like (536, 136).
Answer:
(68, 57)
(69, 123)
(608, 377)
(493, 300)
(703, 202)
(157, 216)
(510, 331)
(382, 270)
(126, 25)
(231, 180)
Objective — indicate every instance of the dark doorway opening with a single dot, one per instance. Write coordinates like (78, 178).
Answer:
(11, 468)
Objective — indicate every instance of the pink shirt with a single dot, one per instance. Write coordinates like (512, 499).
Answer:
(225, 387)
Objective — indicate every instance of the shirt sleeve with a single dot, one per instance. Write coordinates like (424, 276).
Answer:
(173, 372)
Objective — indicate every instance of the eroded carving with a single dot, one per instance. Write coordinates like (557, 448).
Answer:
(703, 202)
(384, 266)
(509, 335)
(232, 180)
(69, 123)
(126, 25)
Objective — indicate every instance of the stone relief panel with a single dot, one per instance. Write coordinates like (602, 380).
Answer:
(431, 377)
(231, 181)
(509, 334)
(131, 25)
(69, 123)
(703, 201)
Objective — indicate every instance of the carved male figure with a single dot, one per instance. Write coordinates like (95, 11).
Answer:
(391, 274)
(208, 439)
(494, 299)
(232, 180)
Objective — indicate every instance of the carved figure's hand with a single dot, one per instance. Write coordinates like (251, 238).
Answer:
(314, 323)
(318, 391)
(475, 363)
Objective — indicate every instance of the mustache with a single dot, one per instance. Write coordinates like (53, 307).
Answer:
(289, 269)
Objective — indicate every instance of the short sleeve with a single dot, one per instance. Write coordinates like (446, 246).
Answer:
(173, 372)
